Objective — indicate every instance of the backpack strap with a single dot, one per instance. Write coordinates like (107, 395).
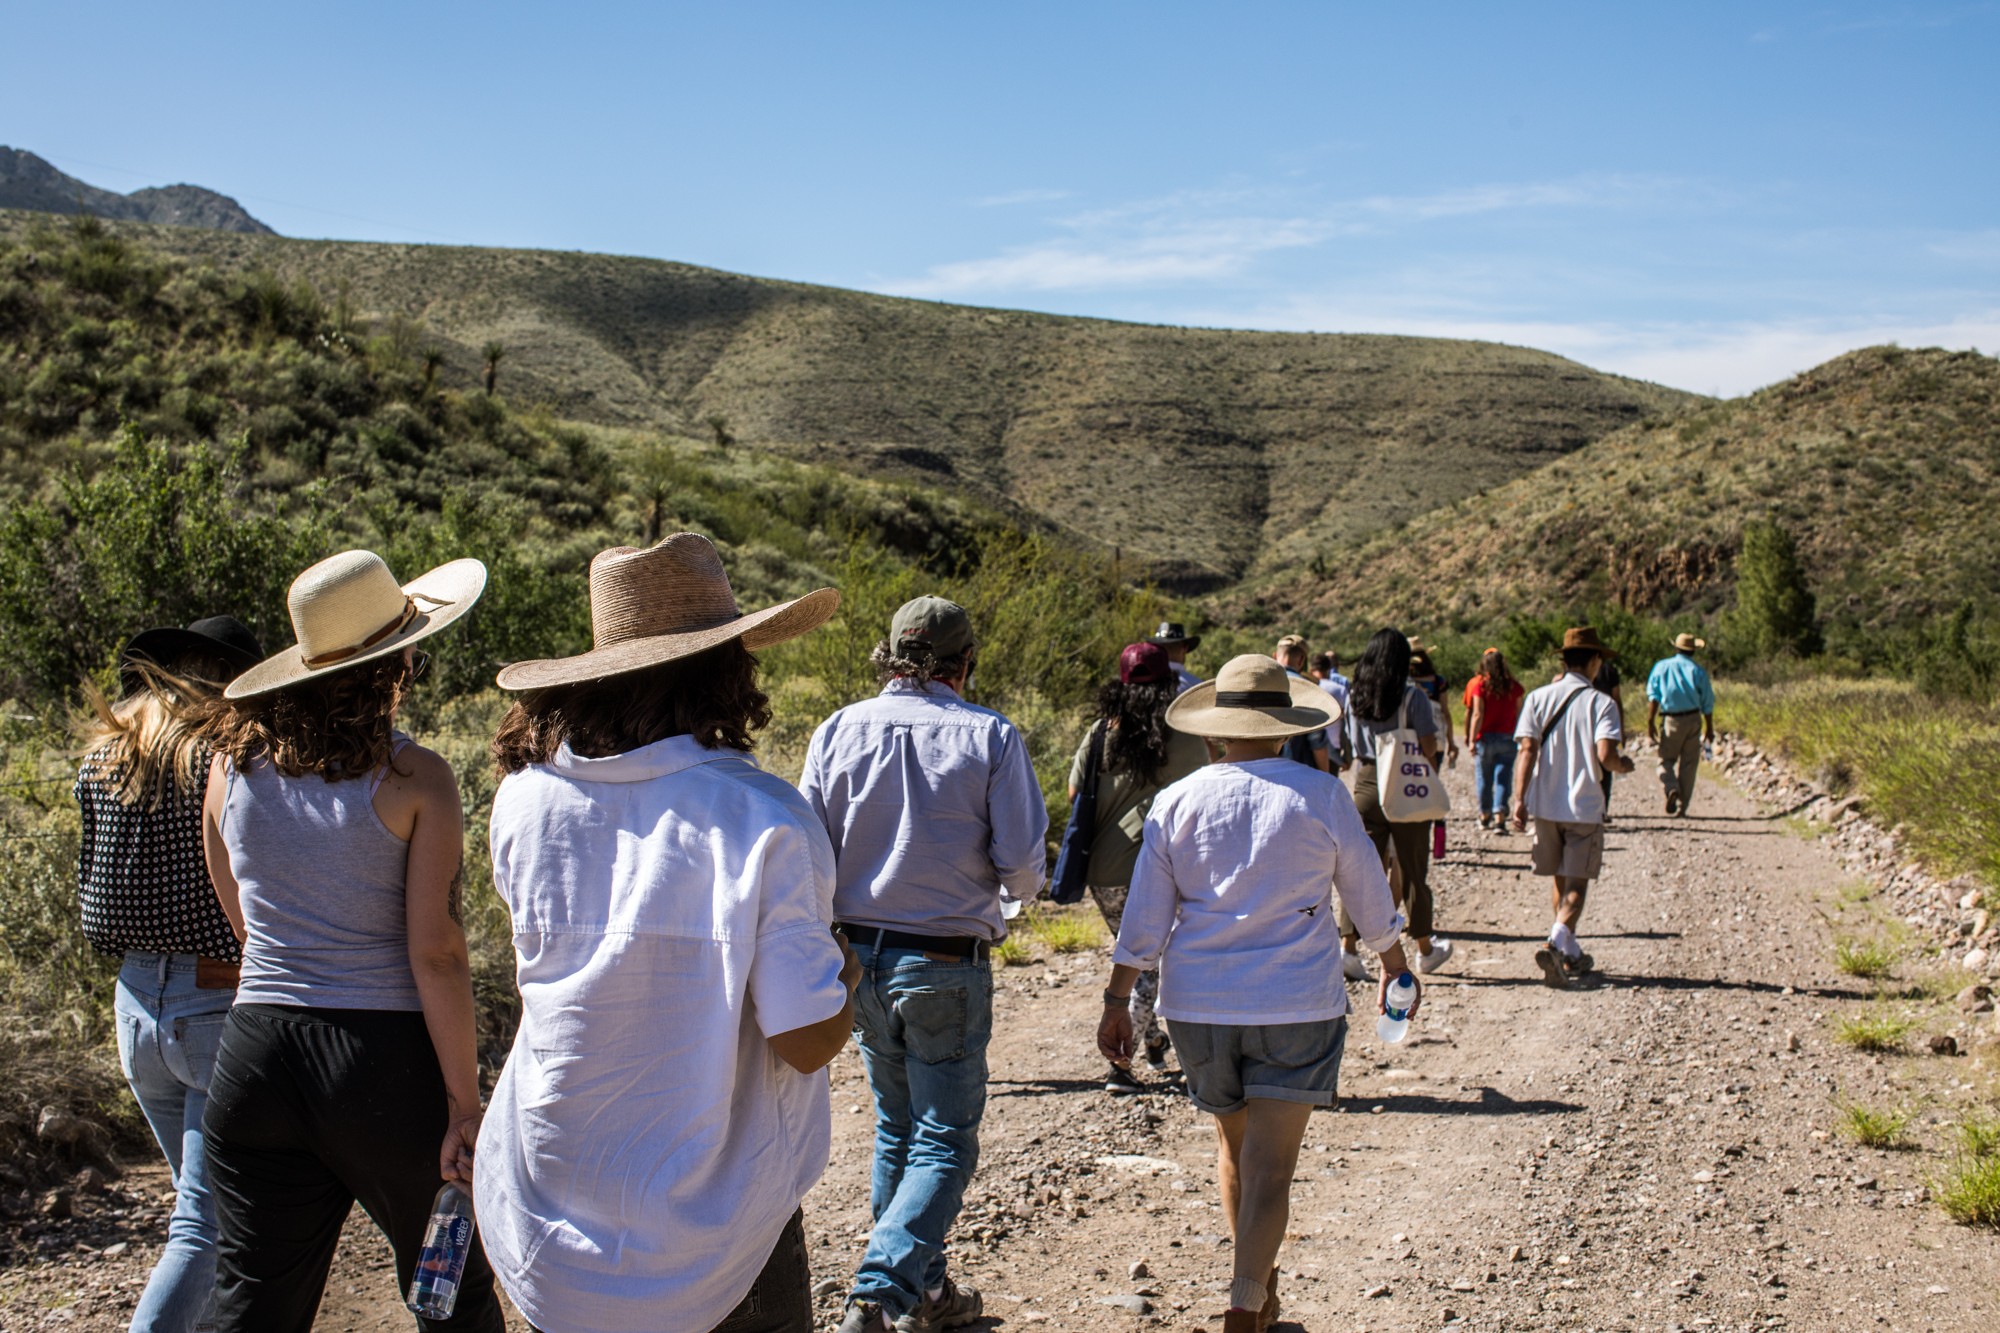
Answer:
(1550, 729)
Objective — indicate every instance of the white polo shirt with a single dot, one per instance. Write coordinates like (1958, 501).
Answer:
(672, 908)
(1233, 894)
(1568, 782)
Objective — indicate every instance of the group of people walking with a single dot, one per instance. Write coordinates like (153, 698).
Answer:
(281, 869)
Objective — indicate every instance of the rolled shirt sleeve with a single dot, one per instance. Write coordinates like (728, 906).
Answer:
(795, 972)
(1020, 821)
(1150, 903)
(1359, 879)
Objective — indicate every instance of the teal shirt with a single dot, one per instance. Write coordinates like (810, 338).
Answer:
(1679, 685)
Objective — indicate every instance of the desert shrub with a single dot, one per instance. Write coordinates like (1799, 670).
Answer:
(1877, 1030)
(159, 536)
(1862, 958)
(1969, 1192)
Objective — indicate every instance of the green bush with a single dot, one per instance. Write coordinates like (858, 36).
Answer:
(1775, 612)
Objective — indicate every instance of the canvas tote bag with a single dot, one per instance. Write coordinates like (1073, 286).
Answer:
(1409, 789)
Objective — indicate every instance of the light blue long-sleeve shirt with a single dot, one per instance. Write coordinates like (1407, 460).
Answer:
(932, 807)
(1679, 684)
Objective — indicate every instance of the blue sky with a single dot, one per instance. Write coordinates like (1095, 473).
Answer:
(1710, 195)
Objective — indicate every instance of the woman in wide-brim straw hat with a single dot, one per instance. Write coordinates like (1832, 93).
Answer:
(1233, 898)
(348, 1070)
(665, 1108)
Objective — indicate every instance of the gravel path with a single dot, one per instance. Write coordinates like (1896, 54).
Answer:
(1653, 1150)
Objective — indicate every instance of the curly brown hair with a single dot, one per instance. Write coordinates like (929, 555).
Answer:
(337, 725)
(711, 696)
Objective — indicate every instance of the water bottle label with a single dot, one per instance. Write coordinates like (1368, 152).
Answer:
(441, 1264)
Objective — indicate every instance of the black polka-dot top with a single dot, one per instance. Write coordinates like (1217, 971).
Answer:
(140, 875)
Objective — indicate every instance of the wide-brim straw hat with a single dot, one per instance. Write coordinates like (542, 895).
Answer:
(1688, 643)
(669, 601)
(349, 609)
(1253, 699)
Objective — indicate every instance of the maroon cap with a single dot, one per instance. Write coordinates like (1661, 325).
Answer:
(1144, 664)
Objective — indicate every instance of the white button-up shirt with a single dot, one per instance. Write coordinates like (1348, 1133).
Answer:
(672, 909)
(1233, 894)
(933, 809)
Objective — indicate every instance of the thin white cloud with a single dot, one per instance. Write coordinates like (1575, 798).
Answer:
(1200, 236)
(1725, 358)
(1015, 198)
(1162, 255)
(1978, 247)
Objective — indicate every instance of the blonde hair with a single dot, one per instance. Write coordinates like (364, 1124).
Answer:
(149, 744)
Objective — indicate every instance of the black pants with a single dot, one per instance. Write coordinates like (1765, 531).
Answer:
(780, 1301)
(310, 1111)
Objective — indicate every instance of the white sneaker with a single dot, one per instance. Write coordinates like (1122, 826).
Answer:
(1436, 956)
(1353, 968)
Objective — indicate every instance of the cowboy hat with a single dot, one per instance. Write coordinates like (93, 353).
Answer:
(666, 602)
(349, 609)
(1253, 699)
(1585, 637)
(223, 638)
(1172, 634)
(1688, 643)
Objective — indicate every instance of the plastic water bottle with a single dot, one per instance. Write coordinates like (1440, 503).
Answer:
(1394, 1025)
(441, 1266)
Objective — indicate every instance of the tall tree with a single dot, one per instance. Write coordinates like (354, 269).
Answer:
(493, 351)
(1775, 610)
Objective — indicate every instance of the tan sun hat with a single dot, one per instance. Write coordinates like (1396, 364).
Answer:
(1688, 643)
(349, 609)
(1253, 699)
(669, 601)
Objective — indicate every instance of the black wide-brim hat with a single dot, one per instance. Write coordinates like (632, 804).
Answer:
(1173, 634)
(221, 638)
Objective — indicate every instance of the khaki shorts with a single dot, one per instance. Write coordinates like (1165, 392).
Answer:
(1569, 851)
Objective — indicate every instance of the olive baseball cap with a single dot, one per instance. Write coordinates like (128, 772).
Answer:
(933, 624)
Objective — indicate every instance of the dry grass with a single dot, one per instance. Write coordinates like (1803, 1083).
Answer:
(1064, 929)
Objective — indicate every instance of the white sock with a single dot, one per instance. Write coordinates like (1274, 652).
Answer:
(934, 1295)
(1247, 1294)
(1564, 941)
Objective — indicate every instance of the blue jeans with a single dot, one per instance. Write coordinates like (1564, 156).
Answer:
(922, 1026)
(168, 1034)
(1496, 773)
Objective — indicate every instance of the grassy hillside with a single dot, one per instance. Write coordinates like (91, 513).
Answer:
(1201, 455)
(1881, 462)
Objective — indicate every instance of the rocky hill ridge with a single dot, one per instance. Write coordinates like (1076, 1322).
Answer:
(30, 182)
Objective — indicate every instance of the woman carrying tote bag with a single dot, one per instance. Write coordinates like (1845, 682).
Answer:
(1141, 755)
(348, 1071)
(1383, 702)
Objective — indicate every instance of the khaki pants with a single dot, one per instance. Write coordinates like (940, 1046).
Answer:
(1680, 754)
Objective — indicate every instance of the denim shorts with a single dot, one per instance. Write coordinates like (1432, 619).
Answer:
(1228, 1064)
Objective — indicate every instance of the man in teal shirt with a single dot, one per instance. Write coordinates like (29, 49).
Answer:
(1680, 718)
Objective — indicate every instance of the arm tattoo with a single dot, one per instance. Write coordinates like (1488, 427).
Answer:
(452, 902)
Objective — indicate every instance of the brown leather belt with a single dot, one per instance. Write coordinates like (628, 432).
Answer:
(214, 974)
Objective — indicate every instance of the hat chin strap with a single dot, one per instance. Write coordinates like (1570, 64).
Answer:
(408, 613)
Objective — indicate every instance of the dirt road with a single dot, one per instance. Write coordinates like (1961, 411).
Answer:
(1654, 1150)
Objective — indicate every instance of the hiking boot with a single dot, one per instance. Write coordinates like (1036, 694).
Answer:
(1554, 974)
(954, 1307)
(1120, 1083)
(1485, 823)
(1353, 968)
(1243, 1321)
(1434, 957)
(1156, 1056)
(865, 1317)
(1673, 802)
(1580, 966)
